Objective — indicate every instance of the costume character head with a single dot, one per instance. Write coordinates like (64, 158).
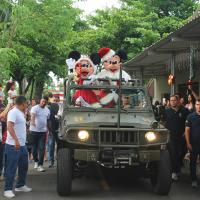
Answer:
(117, 60)
(86, 66)
(106, 55)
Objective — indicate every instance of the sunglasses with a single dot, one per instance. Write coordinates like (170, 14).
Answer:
(83, 65)
(113, 62)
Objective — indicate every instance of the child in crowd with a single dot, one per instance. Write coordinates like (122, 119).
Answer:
(1, 93)
(12, 93)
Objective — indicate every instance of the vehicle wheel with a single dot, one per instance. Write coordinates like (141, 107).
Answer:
(161, 179)
(64, 172)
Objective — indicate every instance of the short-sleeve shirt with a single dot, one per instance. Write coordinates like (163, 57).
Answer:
(41, 117)
(175, 121)
(2, 94)
(18, 118)
(193, 122)
(12, 93)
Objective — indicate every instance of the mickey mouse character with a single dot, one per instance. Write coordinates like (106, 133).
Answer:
(111, 70)
(111, 64)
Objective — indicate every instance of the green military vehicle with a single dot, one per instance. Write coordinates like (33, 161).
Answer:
(124, 135)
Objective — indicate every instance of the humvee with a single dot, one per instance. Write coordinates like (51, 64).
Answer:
(125, 135)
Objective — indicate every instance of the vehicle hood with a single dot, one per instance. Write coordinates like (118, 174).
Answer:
(99, 119)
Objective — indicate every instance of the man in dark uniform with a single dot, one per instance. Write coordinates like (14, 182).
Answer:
(192, 134)
(52, 137)
(175, 117)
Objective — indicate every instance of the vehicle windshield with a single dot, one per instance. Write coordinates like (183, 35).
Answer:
(98, 98)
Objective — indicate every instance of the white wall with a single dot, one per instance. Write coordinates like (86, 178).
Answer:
(160, 87)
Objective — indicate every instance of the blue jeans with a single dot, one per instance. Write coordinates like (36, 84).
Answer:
(51, 148)
(193, 160)
(2, 147)
(15, 159)
(39, 140)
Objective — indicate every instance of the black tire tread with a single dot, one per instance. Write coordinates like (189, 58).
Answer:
(64, 172)
(163, 180)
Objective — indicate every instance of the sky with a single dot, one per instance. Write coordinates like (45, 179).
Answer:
(89, 6)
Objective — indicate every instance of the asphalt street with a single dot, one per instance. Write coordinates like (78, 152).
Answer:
(127, 188)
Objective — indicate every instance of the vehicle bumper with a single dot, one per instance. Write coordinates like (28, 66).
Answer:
(117, 157)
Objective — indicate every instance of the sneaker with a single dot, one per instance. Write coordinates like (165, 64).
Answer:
(40, 169)
(8, 194)
(23, 189)
(36, 165)
(174, 177)
(194, 184)
(51, 165)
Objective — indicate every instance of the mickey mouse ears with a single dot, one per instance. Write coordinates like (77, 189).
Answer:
(122, 54)
(95, 58)
(74, 55)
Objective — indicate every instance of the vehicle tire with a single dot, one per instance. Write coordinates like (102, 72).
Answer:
(161, 180)
(64, 172)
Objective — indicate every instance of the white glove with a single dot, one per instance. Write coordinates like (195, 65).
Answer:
(126, 76)
(92, 79)
(115, 96)
(70, 63)
(81, 102)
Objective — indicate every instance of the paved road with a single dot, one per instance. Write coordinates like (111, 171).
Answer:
(44, 188)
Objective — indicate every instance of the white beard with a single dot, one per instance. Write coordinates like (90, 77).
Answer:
(114, 75)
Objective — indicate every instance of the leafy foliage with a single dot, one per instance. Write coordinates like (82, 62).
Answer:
(134, 26)
(38, 33)
(36, 36)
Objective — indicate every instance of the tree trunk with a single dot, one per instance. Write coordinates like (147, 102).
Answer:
(28, 85)
(32, 87)
(20, 86)
(39, 87)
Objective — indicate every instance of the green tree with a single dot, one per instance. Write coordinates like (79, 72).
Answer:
(134, 26)
(39, 34)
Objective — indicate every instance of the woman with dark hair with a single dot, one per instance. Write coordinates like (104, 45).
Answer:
(191, 102)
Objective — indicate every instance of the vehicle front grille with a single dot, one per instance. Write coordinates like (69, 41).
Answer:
(118, 137)
(108, 137)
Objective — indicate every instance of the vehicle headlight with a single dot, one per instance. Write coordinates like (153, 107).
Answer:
(83, 135)
(150, 136)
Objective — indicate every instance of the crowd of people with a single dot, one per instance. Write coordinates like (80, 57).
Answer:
(183, 122)
(28, 131)
(30, 128)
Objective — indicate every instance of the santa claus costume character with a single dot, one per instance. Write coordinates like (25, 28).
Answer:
(111, 69)
(85, 69)
(111, 64)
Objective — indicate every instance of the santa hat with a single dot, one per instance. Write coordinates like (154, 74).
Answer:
(105, 53)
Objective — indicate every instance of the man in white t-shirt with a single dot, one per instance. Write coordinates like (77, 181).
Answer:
(15, 149)
(39, 127)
